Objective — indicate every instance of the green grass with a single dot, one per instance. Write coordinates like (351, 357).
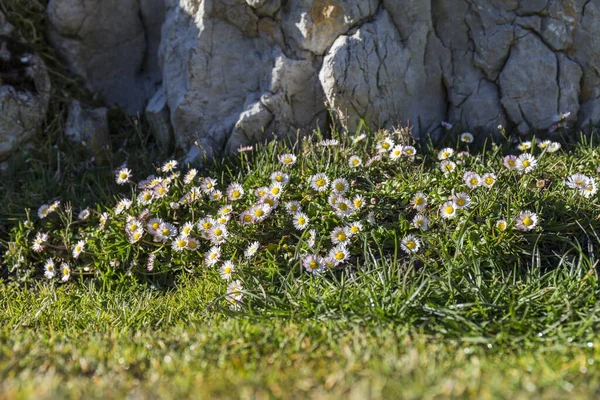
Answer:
(84, 341)
(476, 314)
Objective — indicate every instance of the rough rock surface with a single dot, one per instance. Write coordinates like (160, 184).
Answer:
(89, 127)
(239, 71)
(112, 44)
(24, 92)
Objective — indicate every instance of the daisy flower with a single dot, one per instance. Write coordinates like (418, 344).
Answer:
(123, 176)
(103, 220)
(354, 162)
(300, 221)
(169, 166)
(180, 243)
(287, 159)
(65, 272)
(358, 202)
(84, 214)
(226, 270)
(339, 253)
(135, 236)
(409, 151)
(216, 195)
(235, 191)
(293, 207)
(153, 225)
(524, 146)
(355, 228)
(145, 197)
(234, 293)
(344, 207)
(251, 249)
(385, 145)
(319, 182)
(448, 210)
(246, 217)
(445, 154)
(419, 201)
(218, 234)
(133, 225)
(421, 222)
(161, 190)
(329, 143)
(212, 256)
(543, 145)
(208, 185)
(150, 262)
(447, 167)
(340, 186)
(187, 229)
(526, 163)
(280, 177)
(589, 189)
(38, 242)
(488, 180)
(49, 269)
(553, 147)
(396, 152)
(501, 225)
(577, 181)
(410, 244)
(313, 264)
(526, 221)
(340, 235)
(472, 179)
(312, 238)
(510, 162)
(79, 247)
(190, 176)
(166, 230)
(467, 137)
(43, 211)
(270, 200)
(123, 205)
(276, 189)
(461, 200)
(260, 212)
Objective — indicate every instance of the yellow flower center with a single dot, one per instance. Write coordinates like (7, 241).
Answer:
(460, 201)
(287, 160)
(166, 232)
(340, 186)
(526, 163)
(339, 255)
(192, 244)
(343, 206)
(449, 210)
(258, 212)
(354, 229)
(489, 180)
(207, 225)
(155, 226)
(358, 203)
(235, 194)
(341, 237)
(313, 264)
(218, 232)
(301, 221)
(320, 182)
(123, 175)
(385, 145)
(247, 218)
(527, 221)
(474, 181)
(409, 152)
(419, 201)
(511, 163)
(275, 190)
(411, 244)
(227, 270)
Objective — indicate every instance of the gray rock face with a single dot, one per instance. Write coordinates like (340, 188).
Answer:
(112, 44)
(89, 127)
(235, 72)
(23, 106)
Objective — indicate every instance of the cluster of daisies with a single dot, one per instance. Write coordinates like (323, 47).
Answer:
(202, 222)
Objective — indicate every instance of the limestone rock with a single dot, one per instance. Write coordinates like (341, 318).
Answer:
(157, 114)
(377, 77)
(105, 42)
(236, 72)
(24, 95)
(89, 127)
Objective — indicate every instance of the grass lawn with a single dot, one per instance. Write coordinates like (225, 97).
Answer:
(476, 312)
